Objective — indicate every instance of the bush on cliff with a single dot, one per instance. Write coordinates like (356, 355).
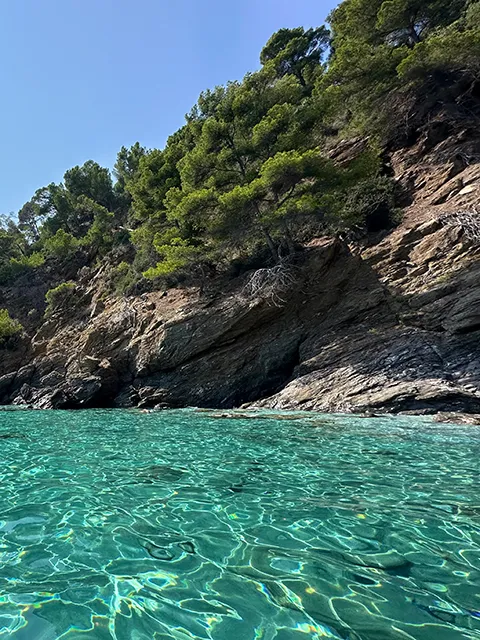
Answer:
(62, 245)
(58, 296)
(124, 279)
(9, 327)
(371, 204)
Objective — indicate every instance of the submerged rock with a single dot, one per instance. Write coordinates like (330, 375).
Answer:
(161, 472)
(458, 418)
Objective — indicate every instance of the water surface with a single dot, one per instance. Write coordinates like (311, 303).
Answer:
(186, 525)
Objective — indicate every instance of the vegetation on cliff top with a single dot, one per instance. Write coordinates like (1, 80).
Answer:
(249, 174)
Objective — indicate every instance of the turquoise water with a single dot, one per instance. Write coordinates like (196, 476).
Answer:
(125, 525)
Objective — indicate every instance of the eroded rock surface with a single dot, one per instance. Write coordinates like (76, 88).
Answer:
(394, 326)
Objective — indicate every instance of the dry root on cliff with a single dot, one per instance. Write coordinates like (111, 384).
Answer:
(271, 284)
(468, 221)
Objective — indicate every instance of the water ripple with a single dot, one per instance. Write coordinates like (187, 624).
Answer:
(186, 525)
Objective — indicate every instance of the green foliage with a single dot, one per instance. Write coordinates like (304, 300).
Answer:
(365, 165)
(127, 165)
(142, 239)
(408, 22)
(371, 205)
(58, 296)
(448, 49)
(124, 279)
(33, 261)
(70, 207)
(10, 249)
(18, 266)
(472, 15)
(297, 52)
(177, 256)
(9, 327)
(157, 172)
(91, 181)
(249, 172)
(381, 45)
(49, 210)
(29, 218)
(99, 237)
(396, 23)
(16, 256)
(62, 245)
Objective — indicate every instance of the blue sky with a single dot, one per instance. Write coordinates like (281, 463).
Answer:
(81, 78)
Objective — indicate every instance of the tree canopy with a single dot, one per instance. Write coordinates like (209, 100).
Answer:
(250, 171)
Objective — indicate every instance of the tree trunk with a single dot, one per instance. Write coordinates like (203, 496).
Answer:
(300, 78)
(288, 238)
(413, 36)
(271, 244)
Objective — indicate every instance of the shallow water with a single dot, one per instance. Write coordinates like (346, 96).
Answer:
(119, 524)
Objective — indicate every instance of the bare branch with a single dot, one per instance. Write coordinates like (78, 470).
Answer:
(271, 284)
(469, 221)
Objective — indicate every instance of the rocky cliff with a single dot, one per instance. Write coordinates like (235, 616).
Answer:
(392, 324)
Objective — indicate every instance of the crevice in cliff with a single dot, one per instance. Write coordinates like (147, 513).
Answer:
(274, 383)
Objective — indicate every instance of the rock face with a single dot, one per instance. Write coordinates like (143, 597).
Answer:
(394, 326)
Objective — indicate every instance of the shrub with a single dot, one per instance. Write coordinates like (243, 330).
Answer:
(447, 50)
(9, 327)
(99, 238)
(177, 257)
(62, 245)
(125, 279)
(20, 265)
(57, 296)
(16, 266)
(371, 204)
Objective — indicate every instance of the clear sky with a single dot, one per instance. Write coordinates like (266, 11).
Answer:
(81, 78)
